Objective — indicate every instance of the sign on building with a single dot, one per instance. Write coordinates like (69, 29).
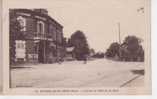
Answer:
(20, 49)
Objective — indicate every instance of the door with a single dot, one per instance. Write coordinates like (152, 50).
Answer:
(41, 52)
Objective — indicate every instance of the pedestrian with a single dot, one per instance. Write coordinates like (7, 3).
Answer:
(85, 59)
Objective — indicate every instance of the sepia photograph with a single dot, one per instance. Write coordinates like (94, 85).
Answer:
(79, 44)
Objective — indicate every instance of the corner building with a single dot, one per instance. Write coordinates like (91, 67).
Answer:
(40, 39)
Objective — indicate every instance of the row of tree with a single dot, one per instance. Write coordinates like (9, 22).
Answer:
(130, 50)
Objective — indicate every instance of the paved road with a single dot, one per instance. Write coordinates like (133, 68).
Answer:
(96, 73)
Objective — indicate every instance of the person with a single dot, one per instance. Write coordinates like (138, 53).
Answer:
(60, 60)
(85, 59)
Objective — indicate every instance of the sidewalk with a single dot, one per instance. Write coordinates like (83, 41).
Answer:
(138, 81)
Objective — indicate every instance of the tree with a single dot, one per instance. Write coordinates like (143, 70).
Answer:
(132, 42)
(113, 50)
(81, 48)
(92, 52)
(131, 50)
(69, 43)
(99, 55)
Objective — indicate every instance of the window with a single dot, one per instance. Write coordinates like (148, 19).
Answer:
(22, 22)
(40, 27)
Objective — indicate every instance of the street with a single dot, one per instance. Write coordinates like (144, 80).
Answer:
(72, 74)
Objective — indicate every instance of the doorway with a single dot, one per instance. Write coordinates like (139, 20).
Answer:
(41, 52)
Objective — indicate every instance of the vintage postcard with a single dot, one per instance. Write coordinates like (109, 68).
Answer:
(76, 47)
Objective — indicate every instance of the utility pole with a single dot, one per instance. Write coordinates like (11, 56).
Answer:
(119, 32)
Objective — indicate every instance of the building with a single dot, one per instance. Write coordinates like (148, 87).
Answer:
(35, 37)
(69, 54)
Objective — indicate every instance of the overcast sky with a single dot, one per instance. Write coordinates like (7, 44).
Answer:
(96, 18)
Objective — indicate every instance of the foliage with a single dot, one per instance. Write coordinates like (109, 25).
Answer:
(99, 55)
(132, 43)
(81, 48)
(129, 50)
(113, 50)
(92, 52)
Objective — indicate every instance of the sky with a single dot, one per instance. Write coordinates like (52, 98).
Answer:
(98, 19)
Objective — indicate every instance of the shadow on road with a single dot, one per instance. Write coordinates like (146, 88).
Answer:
(18, 67)
(139, 72)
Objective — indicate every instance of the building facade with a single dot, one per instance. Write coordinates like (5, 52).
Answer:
(35, 36)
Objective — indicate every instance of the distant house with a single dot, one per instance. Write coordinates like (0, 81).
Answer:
(42, 40)
(69, 53)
